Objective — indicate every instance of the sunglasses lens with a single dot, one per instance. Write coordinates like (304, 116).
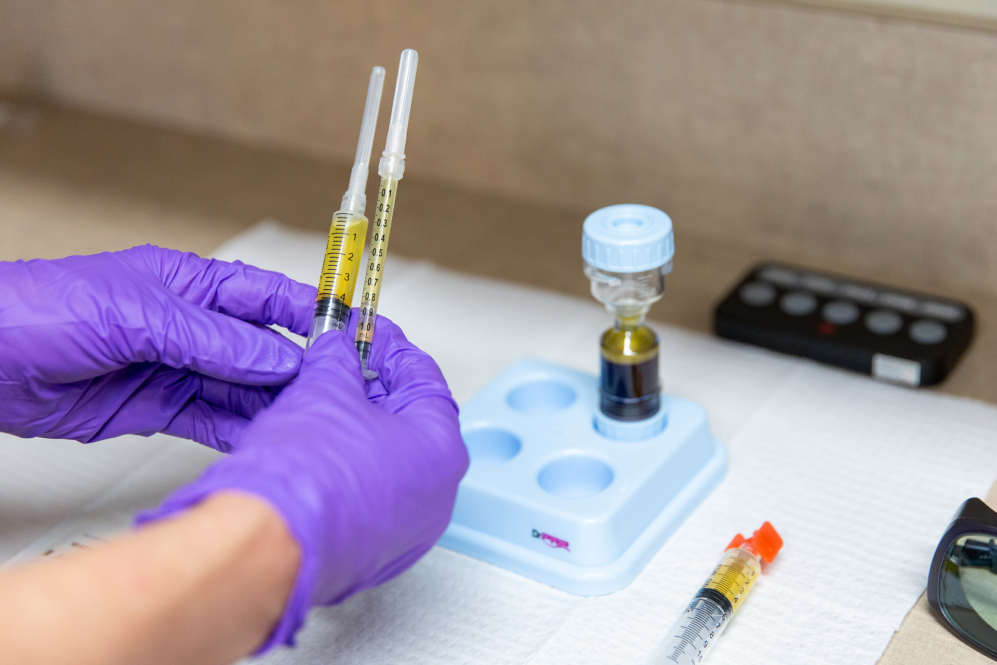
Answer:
(967, 587)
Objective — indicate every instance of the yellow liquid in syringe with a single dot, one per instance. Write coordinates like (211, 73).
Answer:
(735, 576)
(341, 267)
(375, 263)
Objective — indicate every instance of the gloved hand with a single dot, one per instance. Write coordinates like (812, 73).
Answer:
(366, 481)
(142, 341)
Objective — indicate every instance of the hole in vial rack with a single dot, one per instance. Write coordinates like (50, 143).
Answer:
(490, 446)
(541, 396)
(575, 477)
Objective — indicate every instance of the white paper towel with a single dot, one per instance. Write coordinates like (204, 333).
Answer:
(860, 478)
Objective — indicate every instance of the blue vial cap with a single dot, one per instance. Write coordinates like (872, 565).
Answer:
(628, 238)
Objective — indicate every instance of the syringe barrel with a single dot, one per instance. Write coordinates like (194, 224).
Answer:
(694, 634)
(340, 274)
(376, 256)
(330, 314)
(734, 576)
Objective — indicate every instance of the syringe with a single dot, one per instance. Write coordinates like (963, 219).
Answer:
(711, 609)
(341, 267)
(391, 169)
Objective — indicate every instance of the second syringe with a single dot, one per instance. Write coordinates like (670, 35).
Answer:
(375, 269)
(391, 169)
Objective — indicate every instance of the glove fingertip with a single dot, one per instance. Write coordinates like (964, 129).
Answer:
(298, 307)
(227, 348)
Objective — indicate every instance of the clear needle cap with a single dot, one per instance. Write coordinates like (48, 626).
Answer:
(355, 200)
(393, 158)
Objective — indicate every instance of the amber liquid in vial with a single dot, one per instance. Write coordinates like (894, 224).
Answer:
(629, 387)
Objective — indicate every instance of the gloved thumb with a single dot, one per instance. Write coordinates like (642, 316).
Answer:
(332, 364)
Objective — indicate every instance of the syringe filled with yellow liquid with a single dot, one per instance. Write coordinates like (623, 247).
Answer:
(391, 168)
(713, 606)
(343, 253)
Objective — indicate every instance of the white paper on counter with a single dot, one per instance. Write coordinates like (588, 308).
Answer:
(860, 478)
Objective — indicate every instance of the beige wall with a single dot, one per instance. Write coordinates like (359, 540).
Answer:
(768, 123)
(18, 44)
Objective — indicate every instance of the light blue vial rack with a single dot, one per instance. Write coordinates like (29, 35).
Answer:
(548, 497)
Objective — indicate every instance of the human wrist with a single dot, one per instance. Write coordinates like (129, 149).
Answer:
(236, 479)
(271, 553)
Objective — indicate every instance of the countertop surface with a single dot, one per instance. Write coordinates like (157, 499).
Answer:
(74, 182)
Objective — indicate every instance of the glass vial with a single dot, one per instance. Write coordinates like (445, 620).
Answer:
(628, 249)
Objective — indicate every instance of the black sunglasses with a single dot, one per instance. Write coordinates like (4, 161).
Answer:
(962, 584)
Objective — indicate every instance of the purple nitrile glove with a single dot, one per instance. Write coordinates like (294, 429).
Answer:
(364, 477)
(142, 341)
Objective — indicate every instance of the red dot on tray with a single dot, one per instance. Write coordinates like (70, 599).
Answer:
(826, 328)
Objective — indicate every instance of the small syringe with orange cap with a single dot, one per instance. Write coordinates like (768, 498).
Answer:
(711, 609)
